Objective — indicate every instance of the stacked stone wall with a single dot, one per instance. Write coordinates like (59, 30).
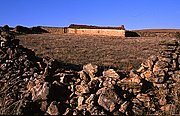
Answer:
(30, 85)
(157, 34)
(54, 30)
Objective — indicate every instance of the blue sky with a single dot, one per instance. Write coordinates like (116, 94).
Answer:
(134, 14)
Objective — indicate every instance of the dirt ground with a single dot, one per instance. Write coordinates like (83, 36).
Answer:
(100, 50)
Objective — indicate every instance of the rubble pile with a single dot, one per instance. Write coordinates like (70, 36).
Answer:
(18, 65)
(37, 86)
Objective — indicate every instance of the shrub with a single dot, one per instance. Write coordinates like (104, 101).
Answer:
(177, 35)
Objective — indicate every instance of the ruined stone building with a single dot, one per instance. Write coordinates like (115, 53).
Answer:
(86, 29)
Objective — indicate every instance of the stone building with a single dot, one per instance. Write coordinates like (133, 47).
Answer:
(86, 29)
(96, 30)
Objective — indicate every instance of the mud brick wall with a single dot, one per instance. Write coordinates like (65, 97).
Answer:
(108, 32)
(54, 30)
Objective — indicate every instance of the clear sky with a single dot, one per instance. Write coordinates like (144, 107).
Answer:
(134, 14)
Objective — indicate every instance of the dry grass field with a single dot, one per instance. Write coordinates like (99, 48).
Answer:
(100, 50)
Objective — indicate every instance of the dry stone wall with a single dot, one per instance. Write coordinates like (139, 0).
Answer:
(157, 34)
(41, 86)
(54, 30)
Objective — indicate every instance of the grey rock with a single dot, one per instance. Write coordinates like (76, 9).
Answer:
(81, 89)
(52, 109)
(68, 112)
(110, 73)
(93, 85)
(137, 110)
(108, 99)
(169, 109)
(90, 70)
(162, 100)
(124, 106)
(40, 91)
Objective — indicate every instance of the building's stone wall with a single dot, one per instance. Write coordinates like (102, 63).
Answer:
(107, 32)
(54, 30)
